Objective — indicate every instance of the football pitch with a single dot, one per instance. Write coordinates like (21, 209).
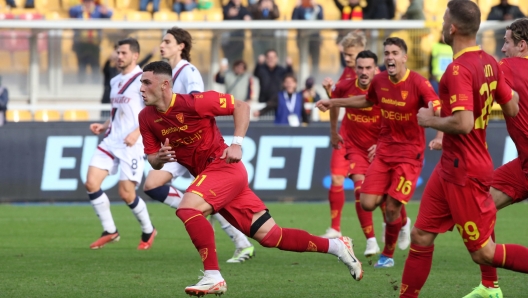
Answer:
(44, 253)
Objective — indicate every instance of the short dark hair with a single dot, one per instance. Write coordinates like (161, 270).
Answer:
(367, 54)
(131, 42)
(289, 76)
(159, 67)
(397, 42)
(182, 36)
(465, 15)
(519, 30)
(240, 62)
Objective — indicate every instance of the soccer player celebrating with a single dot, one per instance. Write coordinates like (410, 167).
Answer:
(176, 49)
(400, 93)
(181, 127)
(362, 127)
(457, 193)
(352, 44)
(122, 146)
(510, 181)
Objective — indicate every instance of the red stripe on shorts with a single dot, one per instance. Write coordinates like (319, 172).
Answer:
(105, 152)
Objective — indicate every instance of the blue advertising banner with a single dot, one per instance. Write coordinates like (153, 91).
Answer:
(49, 161)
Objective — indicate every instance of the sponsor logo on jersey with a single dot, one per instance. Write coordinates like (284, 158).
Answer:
(179, 117)
(173, 129)
(120, 99)
(391, 101)
(158, 120)
(462, 97)
(404, 94)
(384, 89)
(391, 115)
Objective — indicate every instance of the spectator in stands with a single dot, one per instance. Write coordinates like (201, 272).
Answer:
(288, 105)
(441, 56)
(4, 98)
(238, 82)
(143, 5)
(309, 94)
(271, 75)
(263, 40)
(86, 42)
(379, 10)
(233, 42)
(352, 11)
(184, 5)
(310, 11)
(503, 12)
(414, 11)
(29, 3)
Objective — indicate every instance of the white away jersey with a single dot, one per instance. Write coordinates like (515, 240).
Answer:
(186, 78)
(126, 104)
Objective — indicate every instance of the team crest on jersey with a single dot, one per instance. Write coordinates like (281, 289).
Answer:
(453, 99)
(352, 165)
(119, 85)
(223, 102)
(404, 94)
(455, 70)
(179, 117)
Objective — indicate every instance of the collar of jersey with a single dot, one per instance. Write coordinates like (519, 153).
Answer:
(359, 87)
(403, 79)
(466, 50)
(173, 100)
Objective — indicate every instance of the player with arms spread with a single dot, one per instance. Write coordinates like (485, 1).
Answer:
(362, 128)
(189, 135)
(399, 92)
(510, 181)
(176, 48)
(122, 146)
(352, 43)
(457, 193)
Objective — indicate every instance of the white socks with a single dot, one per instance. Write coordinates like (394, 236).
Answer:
(333, 247)
(139, 208)
(101, 205)
(215, 274)
(239, 239)
(174, 198)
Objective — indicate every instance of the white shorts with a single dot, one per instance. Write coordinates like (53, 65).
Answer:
(175, 169)
(130, 159)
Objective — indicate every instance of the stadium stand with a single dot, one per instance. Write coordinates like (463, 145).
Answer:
(18, 115)
(75, 115)
(47, 115)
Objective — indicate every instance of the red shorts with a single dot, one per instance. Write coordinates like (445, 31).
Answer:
(338, 163)
(511, 180)
(225, 187)
(398, 180)
(357, 158)
(470, 208)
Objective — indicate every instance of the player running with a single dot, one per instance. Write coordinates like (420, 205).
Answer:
(352, 44)
(362, 127)
(399, 92)
(457, 193)
(122, 147)
(186, 79)
(190, 136)
(510, 181)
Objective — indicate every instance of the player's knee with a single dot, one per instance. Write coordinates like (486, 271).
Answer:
(422, 238)
(484, 256)
(338, 180)
(368, 205)
(91, 185)
(151, 184)
(272, 238)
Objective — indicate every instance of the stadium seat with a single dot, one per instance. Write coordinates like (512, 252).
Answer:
(18, 115)
(127, 5)
(75, 115)
(47, 115)
(28, 15)
(6, 16)
(138, 16)
(214, 15)
(117, 15)
(324, 116)
(496, 112)
(192, 16)
(47, 5)
(165, 16)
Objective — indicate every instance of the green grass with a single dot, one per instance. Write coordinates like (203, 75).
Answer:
(44, 253)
